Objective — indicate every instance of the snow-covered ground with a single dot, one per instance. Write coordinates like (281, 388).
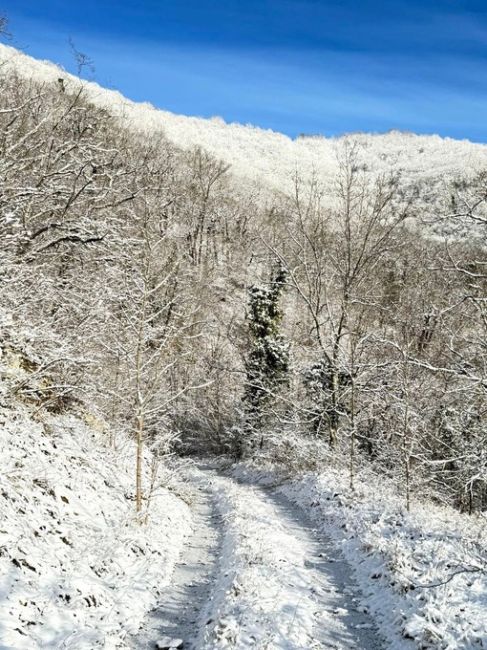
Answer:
(422, 575)
(307, 563)
(301, 564)
(183, 613)
(76, 569)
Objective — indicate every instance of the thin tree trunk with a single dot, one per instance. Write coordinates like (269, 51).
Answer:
(405, 433)
(138, 465)
(352, 437)
(407, 468)
(333, 429)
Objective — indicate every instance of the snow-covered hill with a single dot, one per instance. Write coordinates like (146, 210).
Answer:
(264, 155)
(77, 569)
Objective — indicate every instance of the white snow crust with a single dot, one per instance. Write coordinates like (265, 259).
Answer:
(77, 571)
(422, 574)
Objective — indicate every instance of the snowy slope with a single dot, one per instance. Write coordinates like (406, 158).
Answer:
(76, 570)
(266, 156)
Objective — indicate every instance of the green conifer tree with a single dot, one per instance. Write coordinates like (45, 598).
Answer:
(267, 363)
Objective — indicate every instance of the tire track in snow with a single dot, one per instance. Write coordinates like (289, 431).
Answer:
(181, 613)
(288, 586)
(341, 622)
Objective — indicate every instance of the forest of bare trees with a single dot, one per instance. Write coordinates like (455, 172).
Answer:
(339, 325)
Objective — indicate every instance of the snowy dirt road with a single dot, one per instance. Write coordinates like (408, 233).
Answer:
(257, 574)
(180, 614)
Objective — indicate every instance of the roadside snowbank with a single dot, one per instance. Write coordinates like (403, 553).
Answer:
(423, 574)
(77, 572)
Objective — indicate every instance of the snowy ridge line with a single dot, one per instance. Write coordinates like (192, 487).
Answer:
(399, 557)
(265, 156)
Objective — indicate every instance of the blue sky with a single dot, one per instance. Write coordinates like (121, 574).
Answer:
(297, 66)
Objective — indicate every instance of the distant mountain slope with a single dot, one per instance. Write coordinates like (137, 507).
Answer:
(270, 157)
